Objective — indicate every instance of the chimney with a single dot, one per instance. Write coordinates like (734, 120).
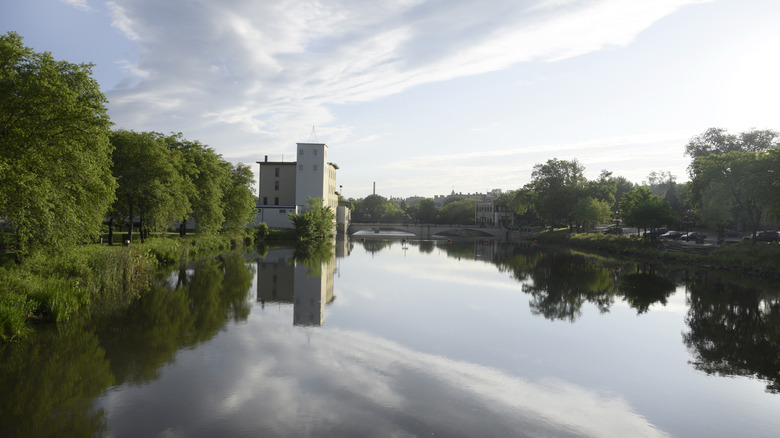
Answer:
(266, 158)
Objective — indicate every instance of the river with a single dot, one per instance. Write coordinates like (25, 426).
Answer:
(390, 337)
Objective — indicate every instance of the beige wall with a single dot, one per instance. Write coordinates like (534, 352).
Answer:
(267, 192)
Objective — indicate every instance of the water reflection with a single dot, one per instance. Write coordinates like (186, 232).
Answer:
(194, 338)
(306, 280)
(734, 330)
(55, 377)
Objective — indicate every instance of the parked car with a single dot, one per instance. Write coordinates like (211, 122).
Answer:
(671, 235)
(655, 233)
(766, 236)
(732, 233)
(614, 230)
(694, 236)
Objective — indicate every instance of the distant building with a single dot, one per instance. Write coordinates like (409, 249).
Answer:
(286, 187)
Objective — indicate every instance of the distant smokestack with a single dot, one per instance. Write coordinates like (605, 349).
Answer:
(375, 187)
(266, 158)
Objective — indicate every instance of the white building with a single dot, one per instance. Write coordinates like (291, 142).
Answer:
(286, 187)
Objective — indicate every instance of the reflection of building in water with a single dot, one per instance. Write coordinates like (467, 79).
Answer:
(282, 279)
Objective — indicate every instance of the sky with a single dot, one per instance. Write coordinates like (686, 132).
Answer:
(427, 97)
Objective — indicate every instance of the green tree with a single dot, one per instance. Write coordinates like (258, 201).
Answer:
(315, 224)
(622, 186)
(557, 185)
(150, 183)
(55, 157)
(589, 211)
(742, 182)
(205, 177)
(426, 211)
(642, 209)
(602, 189)
(238, 200)
(459, 212)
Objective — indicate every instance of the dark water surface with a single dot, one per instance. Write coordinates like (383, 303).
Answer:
(390, 338)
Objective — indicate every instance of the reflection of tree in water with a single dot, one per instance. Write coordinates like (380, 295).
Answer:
(148, 333)
(374, 246)
(562, 282)
(734, 331)
(49, 382)
(426, 246)
(313, 256)
(645, 287)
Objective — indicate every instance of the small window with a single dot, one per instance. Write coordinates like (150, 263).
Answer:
(315, 167)
(315, 152)
(300, 168)
(276, 200)
(276, 172)
(276, 185)
(300, 151)
(265, 200)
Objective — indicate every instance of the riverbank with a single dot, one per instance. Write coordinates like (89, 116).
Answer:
(747, 257)
(55, 287)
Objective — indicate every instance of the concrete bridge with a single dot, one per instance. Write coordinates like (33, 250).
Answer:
(426, 231)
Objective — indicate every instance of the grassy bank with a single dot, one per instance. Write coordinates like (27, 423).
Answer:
(746, 257)
(49, 286)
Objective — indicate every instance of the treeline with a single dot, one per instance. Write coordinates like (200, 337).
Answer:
(66, 178)
(734, 184)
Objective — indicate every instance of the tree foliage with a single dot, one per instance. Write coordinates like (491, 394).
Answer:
(238, 200)
(557, 185)
(55, 157)
(642, 209)
(315, 224)
(735, 177)
(151, 186)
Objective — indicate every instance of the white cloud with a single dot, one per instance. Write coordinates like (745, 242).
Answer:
(260, 72)
(82, 5)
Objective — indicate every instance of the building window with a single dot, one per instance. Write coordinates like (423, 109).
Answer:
(300, 168)
(276, 172)
(265, 200)
(315, 167)
(315, 152)
(276, 200)
(300, 151)
(276, 185)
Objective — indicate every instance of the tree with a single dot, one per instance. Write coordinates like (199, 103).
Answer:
(659, 182)
(589, 211)
(426, 211)
(737, 181)
(557, 185)
(150, 183)
(315, 224)
(55, 157)
(623, 186)
(642, 209)
(205, 177)
(718, 142)
(602, 189)
(459, 212)
(238, 200)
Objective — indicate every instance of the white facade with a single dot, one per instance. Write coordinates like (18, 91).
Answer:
(286, 187)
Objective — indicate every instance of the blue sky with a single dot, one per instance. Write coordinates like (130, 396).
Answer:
(425, 97)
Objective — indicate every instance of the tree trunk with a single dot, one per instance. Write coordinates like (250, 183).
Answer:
(111, 231)
(130, 232)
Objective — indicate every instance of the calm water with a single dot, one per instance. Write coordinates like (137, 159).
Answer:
(390, 338)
